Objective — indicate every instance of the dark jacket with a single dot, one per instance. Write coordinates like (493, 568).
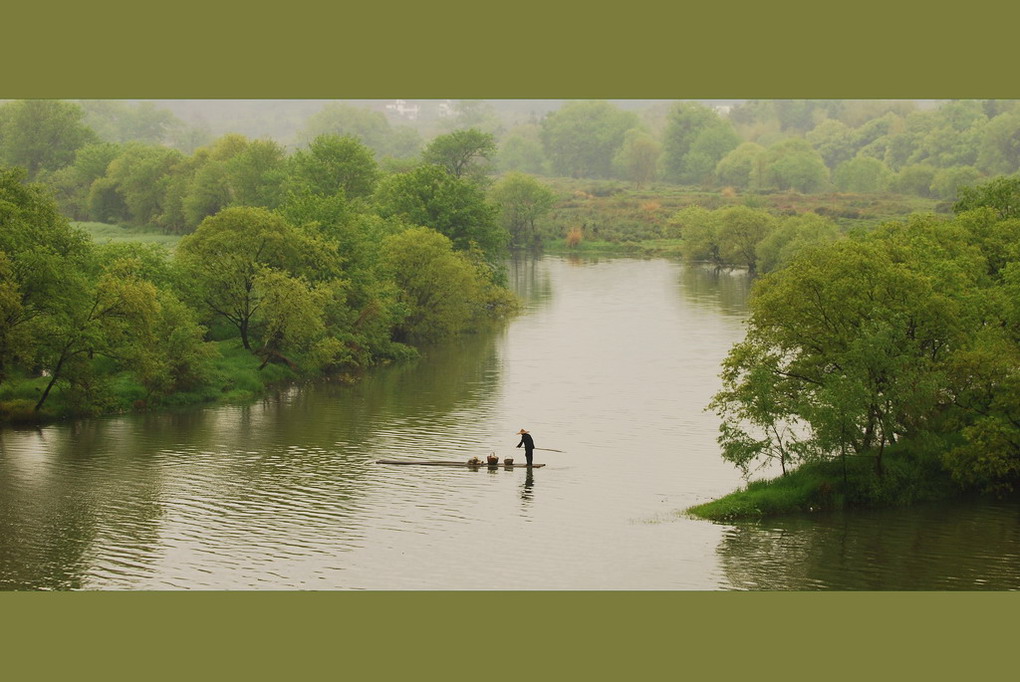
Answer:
(526, 442)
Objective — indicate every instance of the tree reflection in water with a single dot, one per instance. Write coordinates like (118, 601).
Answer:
(962, 546)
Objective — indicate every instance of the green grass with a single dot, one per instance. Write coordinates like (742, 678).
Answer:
(646, 248)
(233, 377)
(103, 233)
(907, 478)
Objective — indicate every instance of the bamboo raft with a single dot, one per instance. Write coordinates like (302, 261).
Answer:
(448, 463)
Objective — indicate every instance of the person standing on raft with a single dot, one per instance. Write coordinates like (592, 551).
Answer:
(528, 443)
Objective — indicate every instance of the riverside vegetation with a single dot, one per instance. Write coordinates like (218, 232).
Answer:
(880, 360)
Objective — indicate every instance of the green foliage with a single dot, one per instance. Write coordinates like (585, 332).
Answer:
(707, 149)
(430, 196)
(793, 164)
(793, 235)
(333, 164)
(862, 174)
(119, 122)
(368, 127)
(743, 167)
(999, 151)
(582, 138)
(1001, 194)
(87, 328)
(41, 259)
(903, 335)
(522, 201)
(464, 153)
(740, 230)
(915, 179)
(71, 184)
(833, 140)
(699, 230)
(687, 120)
(948, 181)
(229, 254)
(828, 486)
(41, 134)
(138, 178)
(441, 292)
(521, 150)
(849, 342)
(638, 158)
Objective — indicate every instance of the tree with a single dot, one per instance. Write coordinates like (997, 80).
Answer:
(41, 257)
(256, 174)
(948, 181)
(521, 150)
(72, 184)
(743, 167)
(792, 235)
(232, 255)
(832, 140)
(117, 121)
(430, 196)
(638, 158)
(368, 127)
(472, 113)
(1000, 194)
(847, 346)
(708, 148)
(462, 152)
(109, 315)
(914, 179)
(207, 187)
(999, 153)
(699, 229)
(440, 290)
(359, 317)
(793, 164)
(582, 138)
(522, 200)
(140, 177)
(862, 174)
(739, 231)
(332, 164)
(41, 135)
(687, 120)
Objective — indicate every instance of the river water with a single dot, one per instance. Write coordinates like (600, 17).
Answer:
(612, 363)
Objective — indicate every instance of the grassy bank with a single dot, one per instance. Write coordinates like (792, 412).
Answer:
(233, 377)
(823, 486)
(649, 248)
(103, 233)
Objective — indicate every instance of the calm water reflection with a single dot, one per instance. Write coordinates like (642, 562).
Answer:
(612, 363)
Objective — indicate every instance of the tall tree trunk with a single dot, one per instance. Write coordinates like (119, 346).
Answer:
(53, 380)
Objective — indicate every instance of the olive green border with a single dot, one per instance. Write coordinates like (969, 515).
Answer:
(639, 49)
(644, 49)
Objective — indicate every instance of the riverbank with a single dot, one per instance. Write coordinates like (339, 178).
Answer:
(906, 479)
(235, 376)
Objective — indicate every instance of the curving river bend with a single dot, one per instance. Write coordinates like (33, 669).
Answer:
(612, 362)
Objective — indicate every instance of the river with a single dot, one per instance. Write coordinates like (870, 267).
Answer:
(612, 363)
